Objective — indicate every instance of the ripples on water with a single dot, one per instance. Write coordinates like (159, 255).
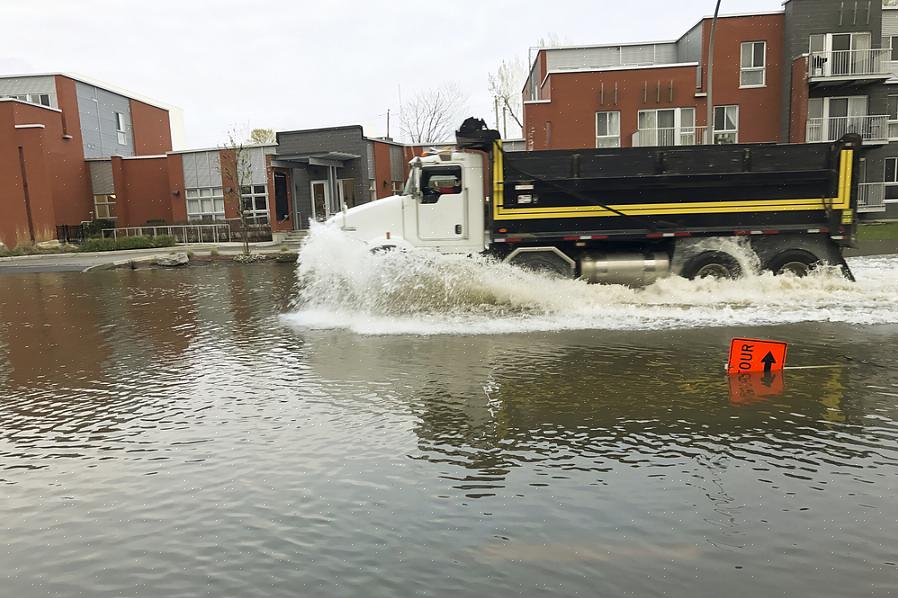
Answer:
(177, 433)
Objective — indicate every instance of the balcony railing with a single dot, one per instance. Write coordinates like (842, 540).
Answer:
(873, 129)
(848, 64)
(871, 197)
(661, 137)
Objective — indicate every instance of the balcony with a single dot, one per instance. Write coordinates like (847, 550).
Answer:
(840, 66)
(871, 197)
(872, 129)
(662, 137)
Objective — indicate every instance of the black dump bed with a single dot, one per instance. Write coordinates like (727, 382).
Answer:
(715, 188)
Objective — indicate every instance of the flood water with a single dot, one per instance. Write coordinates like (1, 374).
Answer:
(218, 431)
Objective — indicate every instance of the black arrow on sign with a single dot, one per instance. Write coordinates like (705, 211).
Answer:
(768, 361)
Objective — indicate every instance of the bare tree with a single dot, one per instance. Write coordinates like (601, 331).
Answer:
(261, 136)
(432, 115)
(237, 173)
(505, 86)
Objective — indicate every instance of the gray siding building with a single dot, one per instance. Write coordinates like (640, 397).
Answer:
(851, 85)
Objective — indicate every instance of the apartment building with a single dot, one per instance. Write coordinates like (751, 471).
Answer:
(812, 72)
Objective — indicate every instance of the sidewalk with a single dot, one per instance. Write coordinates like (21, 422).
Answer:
(82, 262)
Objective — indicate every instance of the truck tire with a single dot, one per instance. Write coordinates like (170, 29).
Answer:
(713, 264)
(545, 263)
(796, 261)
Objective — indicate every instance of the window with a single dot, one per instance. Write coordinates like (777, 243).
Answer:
(890, 176)
(346, 190)
(726, 124)
(753, 65)
(438, 181)
(397, 187)
(120, 128)
(104, 207)
(891, 43)
(205, 204)
(890, 3)
(667, 126)
(254, 202)
(35, 98)
(893, 116)
(607, 129)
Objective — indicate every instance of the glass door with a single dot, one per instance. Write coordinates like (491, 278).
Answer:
(320, 200)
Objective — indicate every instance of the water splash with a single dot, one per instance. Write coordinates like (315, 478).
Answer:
(345, 286)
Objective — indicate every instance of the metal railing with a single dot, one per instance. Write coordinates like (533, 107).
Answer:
(842, 64)
(871, 197)
(223, 232)
(872, 128)
(666, 136)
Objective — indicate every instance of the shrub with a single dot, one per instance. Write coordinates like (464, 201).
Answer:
(109, 244)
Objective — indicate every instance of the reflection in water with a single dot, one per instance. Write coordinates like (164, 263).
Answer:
(165, 433)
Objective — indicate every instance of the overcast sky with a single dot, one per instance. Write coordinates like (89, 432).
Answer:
(299, 64)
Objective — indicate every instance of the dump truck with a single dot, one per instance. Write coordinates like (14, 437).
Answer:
(623, 215)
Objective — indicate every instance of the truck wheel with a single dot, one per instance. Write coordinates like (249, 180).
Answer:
(796, 261)
(543, 263)
(713, 264)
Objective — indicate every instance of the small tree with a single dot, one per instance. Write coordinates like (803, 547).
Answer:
(237, 172)
(262, 136)
(505, 86)
(432, 115)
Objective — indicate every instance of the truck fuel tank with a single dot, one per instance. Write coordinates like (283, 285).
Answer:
(631, 269)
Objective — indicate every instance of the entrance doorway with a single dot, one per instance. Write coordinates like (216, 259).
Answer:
(320, 200)
(281, 197)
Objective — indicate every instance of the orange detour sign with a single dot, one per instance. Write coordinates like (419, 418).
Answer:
(753, 355)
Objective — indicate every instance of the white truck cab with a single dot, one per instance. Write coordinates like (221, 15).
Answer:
(441, 207)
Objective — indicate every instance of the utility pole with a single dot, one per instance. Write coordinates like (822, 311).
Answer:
(504, 125)
(388, 123)
(496, 107)
(709, 129)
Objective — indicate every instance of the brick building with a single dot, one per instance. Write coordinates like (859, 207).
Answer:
(73, 151)
(50, 125)
(810, 73)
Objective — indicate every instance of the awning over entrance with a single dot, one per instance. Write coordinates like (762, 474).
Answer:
(331, 160)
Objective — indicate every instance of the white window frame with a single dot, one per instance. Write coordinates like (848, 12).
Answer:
(251, 193)
(892, 105)
(196, 200)
(120, 128)
(754, 68)
(107, 201)
(341, 193)
(611, 117)
(680, 133)
(885, 176)
(889, 4)
(734, 132)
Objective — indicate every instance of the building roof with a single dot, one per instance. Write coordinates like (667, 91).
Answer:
(97, 83)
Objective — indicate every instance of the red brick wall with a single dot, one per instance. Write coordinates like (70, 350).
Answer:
(228, 160)
(568, 121)
(72, 191)
(175, 168)
(759, 108)
(151, 129)
(383, 179)
(798, 110)
(14, 224)
(141, 188)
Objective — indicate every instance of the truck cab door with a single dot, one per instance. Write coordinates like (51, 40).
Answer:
(442, 209)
